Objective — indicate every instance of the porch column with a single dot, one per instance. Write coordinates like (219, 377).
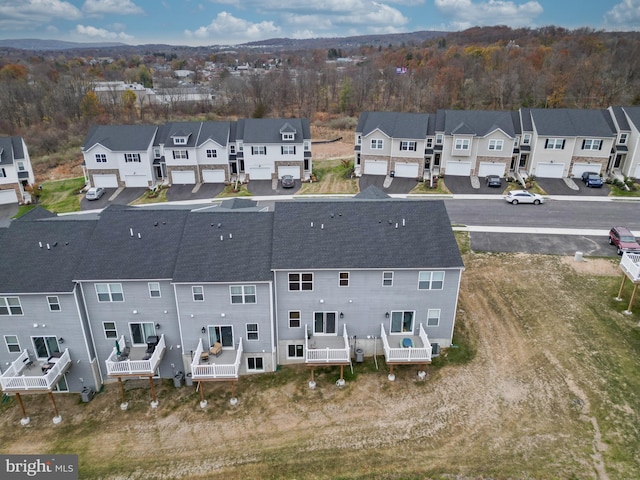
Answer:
(234, 400)
(24, 420)
(312, 383)
(619, 297)
(633, 296)
(154, 400)
(203, 402)
(57, 418)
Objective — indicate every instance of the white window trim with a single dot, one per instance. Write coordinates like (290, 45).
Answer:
(243, 294)
(259, 150)
(179, 140)
(5, 302)
(526, 139)
(408, 146)
(56, 302)
(554, 143)
(324, 320)
(132, 158)
(296, 345)
(299, 319)
(430, 280)
(462, 144)
(496, 145)
(383, 278)
(592, 144)
(6, 342)
(212, 153)
(288, 136)
(377, 144)
(413, 322)
(288, 149)
(109, 292)
(193, 292)
(439, 139)
(101, 158)
(256, 331)
(154, 290)
(340, 279)
(433, 313)
(255, 369)
(622, 139)
(300, 281)
(115, 329)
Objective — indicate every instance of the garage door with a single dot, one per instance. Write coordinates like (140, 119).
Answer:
(105, 180)
(637, 173)
(186, 177)
(136, 181)
(293, 171)
(458, 169)
(8, 196)
(407, 170)
(256, 173)
(490, 168)
(213, 176)
(579, 168)
(375, 167)
(549, 170)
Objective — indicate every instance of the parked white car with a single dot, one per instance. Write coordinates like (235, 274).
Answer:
(94, 193)
(515, 197)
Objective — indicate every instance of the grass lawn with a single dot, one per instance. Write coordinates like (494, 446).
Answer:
(332, 176)
(58, 196)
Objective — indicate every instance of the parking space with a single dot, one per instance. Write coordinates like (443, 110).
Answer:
(6, 213)
(128, 195)
(262, 188)
(558, 186)
(541, 244)
(185, 192)
(177, 192)
(100, 203)
(460, 185)
(398, 185)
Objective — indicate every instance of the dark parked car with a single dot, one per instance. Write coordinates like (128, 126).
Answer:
(592, 179)
(288, 181)
(624, 240)
(94, 193)
(493, 181)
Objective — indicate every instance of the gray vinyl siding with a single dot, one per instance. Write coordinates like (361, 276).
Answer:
(136, 297)
(365, 301)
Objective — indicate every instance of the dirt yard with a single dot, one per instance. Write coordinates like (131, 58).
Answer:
(551, 392)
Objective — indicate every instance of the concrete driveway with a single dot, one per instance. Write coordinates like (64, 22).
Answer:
(462, 186)
(186, 192)
(261, 188)
(541, 244)
(127, 195)
(558, 186)
(398, 185)
(102, 202)
(6, 213)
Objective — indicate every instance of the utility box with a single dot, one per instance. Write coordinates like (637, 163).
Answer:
(189, 380)
(87, 394)
(359, 355)
(177, 379)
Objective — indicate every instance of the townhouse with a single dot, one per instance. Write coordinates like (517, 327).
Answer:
(552, 143)
(197, 152)
(16, 172)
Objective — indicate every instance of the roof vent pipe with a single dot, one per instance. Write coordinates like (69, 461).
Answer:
(396, 224)
(48, 247)
(311, 224)
(40, 244)
(403, 222)
(322, 226)
(221, 237)
(139, 235)
(230, 235)
(131, 232)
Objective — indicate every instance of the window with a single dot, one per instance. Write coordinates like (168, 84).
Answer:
(154, 289)
(554, 143)
(132, 157)
(3, 174)
(496, 145)
(307, 146)
(259, 150)
(462, 144)
(295, 351)
(20, 166)
(387, 279)
(110, 329)
(439, 139)
(324, 323)
(212, 153)
(109, 292)
(54, 304)
(255, 364)
(243, 293)
(376, 144)
(516, 141)
(429, 142)
(240, 146)
(178, 154)
(344, 279)
(430, 280)
(526, 139)
(252, 331)
(180, 140)
(12, 343)
(232, 149)
(591, 144)
(300, 281)
(156, 152)
(10, 306)
(402, 322)
(141, 331)
(198, 293)
(288, 136)
(45, 346)
(222, 334)
(294, 319)
(433, 317)
(359, 140)
(288, 150)
(101, 158)
(408, 146)
(623, 138)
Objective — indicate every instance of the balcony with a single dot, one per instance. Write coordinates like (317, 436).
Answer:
(25, 375)
(125, 361)
(420, 352)
(327, 349)
(206, 366)
(630, 265)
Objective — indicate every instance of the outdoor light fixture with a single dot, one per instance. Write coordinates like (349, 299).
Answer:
(203, 330)
(386, 314)
(61, 340)
(341, 315)
(157, 326)
(322, 300)
(223, 314)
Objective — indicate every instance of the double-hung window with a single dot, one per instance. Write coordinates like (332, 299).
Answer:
(101, 158)
(12, 343)
(198, 293)
(212, 153)
(430, 280)
(109, 292)
(288, 149)
(252, 331)
(54, 303)
(288, 136)
(526, 139)
(294, 319)
(554, 143)
(496, 145)
(300, 282)
(10, 306)
(622, 140)
(110, 330)
(343, 279)
(462, 144)
(439, 139)
(408, 146)
(591, 144)
(180, 154)
(433, 317)
(154, 289)
(376, 144)
(132, 158)
(387, 279)
(261, 150)
(243, 293)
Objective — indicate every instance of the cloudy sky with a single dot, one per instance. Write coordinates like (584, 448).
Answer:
(228, 22)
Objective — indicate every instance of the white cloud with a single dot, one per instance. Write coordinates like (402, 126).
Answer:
(227, 29)
(468, 13)
(31, 13)
(101, 33)
(624, 16)
(118, 7)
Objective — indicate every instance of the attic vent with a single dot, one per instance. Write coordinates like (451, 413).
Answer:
(219, 225)
(331, 215)
(155, 224)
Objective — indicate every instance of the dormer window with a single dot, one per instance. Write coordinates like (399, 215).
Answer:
(623, 138)
(439, 139)
(288, 137)
(287, 133)
(526, 139)
(180, 140)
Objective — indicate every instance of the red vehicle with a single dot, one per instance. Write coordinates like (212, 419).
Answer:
(624, 240)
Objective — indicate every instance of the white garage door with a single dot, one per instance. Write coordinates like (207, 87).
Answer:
(458, 169)
(407, 170)
(579, 168)
(213, 176)
(375, 167)
(8, 196)
(257, 173)
(490, 168)
(549, 170)
(637, 173)
(185, 177)
(293, 171)
(136, 181)
(105, 180)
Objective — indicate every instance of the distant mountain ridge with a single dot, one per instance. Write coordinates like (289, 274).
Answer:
(39, 44)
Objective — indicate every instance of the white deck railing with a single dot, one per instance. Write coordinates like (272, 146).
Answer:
(13, 380)
(117, 367)
(328, 355)
(630, 264)
(213, 371)
(408, 355)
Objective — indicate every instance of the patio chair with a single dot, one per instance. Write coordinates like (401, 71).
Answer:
(216, 349)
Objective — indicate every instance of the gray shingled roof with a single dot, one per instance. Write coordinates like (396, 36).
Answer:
(363, 234)
(478, 122)
(10, 150)
(29, 268)
(216, 131)
(566, 122)
(394, 124)
(372, 193)
(634, 115)
(120, 138)
(621, 119)
(525, 119)
(114, 254)
(181, 129)
(243, 254)
(267, 130)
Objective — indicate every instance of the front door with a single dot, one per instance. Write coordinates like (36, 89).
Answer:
(618, 161)
(45, 346)
(523, 161)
